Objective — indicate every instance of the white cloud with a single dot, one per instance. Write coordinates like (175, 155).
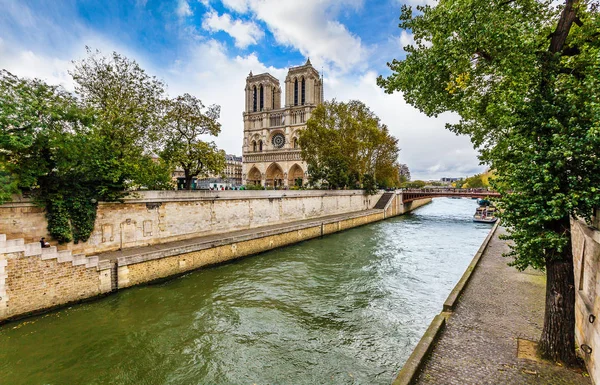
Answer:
(244, 33)
(240, 6)
(418, 2)
(310, 27)
(429, 150)
(406, 38)
(215, 78)
(208, 71)
(183, 9)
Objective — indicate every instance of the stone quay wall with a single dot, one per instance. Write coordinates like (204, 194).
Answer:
(586, 260)
(154, 217)
(147, 267)
(33, 280)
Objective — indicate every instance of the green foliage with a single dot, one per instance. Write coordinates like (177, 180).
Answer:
(369, 184)
(475, 181)
(344, 143)
(184, 123)
(70, 153)
(414, 184)
(152, 174)
(525, 79)
(532, 113)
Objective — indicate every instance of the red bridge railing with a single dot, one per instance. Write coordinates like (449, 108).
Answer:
(409, 195)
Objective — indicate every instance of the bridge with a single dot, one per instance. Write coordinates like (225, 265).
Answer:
(409, 195)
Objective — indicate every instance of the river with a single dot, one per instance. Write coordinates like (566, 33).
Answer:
(343, 309)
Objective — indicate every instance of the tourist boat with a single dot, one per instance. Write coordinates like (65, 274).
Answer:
(485, 214)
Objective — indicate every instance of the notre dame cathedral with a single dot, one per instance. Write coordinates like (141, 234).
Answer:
(271, 154)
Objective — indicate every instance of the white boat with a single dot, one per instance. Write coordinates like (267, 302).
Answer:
(485, 214)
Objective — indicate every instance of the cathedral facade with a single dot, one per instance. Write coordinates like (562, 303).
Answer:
(271, 153)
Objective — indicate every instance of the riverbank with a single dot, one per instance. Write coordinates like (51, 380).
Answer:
(347, 308)
(37, 280)
(486, 337)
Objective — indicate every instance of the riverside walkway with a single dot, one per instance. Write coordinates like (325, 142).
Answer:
(480, 342)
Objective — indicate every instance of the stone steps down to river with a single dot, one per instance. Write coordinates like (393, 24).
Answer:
(35, 249)
(384, 200)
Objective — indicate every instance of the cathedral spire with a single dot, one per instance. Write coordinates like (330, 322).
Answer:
(308, 63)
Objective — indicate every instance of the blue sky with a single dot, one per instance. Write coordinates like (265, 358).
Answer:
(208, 47)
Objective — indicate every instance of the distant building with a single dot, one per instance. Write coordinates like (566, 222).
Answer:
(230, 178)
(403, 171)
(233, 169)
(213, 184)
(449, 181)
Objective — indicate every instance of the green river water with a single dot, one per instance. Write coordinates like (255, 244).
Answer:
(343, 309)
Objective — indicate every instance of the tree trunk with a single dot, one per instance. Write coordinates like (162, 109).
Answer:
(188, 179)
(557, 342)
(558, 336)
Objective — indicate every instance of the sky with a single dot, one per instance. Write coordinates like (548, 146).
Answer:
(208, 47)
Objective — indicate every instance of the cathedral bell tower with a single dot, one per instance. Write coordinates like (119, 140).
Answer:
(271, 153)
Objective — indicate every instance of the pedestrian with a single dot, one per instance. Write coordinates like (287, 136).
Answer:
(43, 243)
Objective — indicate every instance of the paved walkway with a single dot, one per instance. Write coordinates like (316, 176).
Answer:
(224, 238)
(479, 344)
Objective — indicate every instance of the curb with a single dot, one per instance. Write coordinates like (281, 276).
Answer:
(412, 366)
(452, 299)
(410, 369)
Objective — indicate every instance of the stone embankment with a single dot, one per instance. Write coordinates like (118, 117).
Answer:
(33, 279)
(155, 217)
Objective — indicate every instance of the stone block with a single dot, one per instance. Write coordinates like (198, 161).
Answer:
(33, 249)
(79, 259)
(65, 256)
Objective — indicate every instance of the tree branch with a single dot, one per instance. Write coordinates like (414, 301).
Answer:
(567, 18)
(571, 51)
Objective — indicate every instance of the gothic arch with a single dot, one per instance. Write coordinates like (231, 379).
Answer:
(303, 91)
(262, 97)
(274, 176)
(295, 176)
(295, 91)
(254, 176)
(254, 97)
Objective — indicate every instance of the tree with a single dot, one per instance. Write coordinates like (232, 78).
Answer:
(346, 145)
(414, 184)
(49, 149)
(71, 152)
(128, 105)
(475, 181)
(184, 123)
(524, 77)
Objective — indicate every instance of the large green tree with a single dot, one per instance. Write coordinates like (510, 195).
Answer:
(50, 150)
(185, 122)
(346, 145)
(128, 109)
(525, 79)
(71, 151)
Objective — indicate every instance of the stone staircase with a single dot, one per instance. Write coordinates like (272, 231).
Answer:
(46, 253)
(384, 200)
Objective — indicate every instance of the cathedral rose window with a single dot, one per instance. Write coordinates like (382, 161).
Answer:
(278, 140)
